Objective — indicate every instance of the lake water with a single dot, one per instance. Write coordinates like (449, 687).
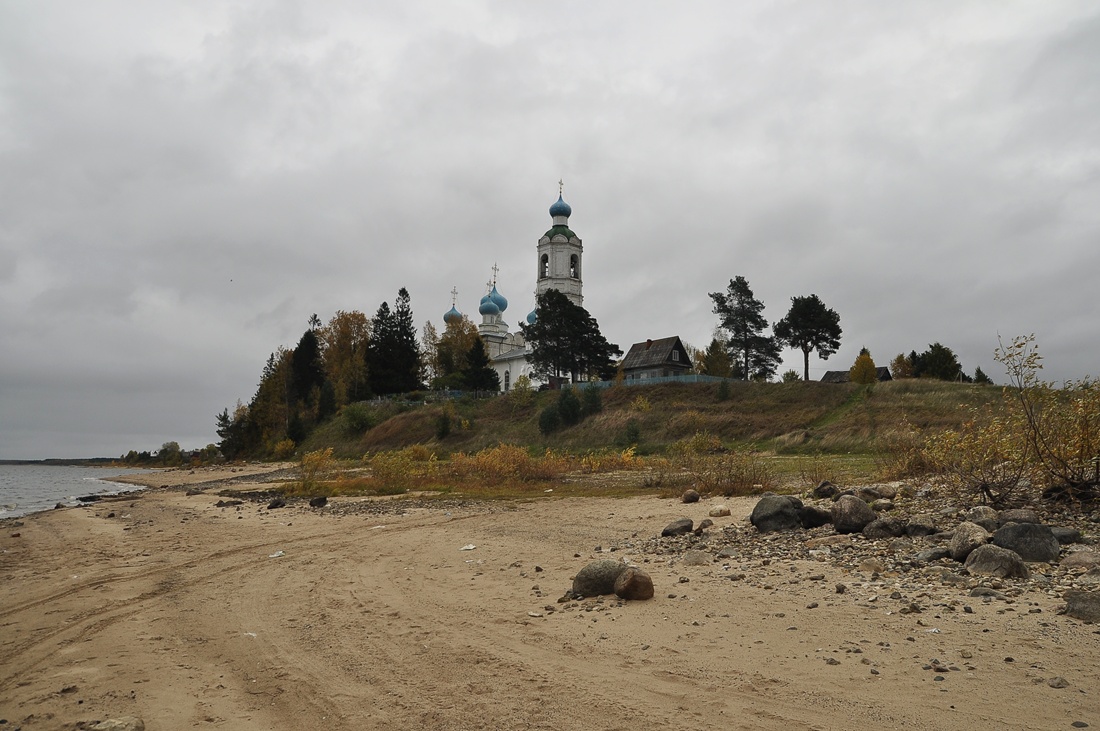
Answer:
(33, 487)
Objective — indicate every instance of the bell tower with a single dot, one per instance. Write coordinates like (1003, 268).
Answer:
(559, 255)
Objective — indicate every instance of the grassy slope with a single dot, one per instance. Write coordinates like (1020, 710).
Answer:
(787, 418)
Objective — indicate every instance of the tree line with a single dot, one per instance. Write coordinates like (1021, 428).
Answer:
(743, 349)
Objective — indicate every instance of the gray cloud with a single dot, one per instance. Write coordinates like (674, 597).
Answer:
(182, 186)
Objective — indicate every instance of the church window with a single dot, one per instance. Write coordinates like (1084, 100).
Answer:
(544, 267)
(507, 379)
(574, 267)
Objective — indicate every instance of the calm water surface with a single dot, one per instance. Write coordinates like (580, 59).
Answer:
(30, 488)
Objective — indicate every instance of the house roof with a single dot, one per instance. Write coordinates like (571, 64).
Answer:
(653, 353)
(882, 372)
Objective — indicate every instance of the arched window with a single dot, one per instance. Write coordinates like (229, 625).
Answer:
(507, 380)
(574, 267)
(544, 267)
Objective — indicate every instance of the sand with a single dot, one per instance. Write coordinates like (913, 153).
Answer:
(188, 615)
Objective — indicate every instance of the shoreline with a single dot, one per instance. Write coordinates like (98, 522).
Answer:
(370, 614)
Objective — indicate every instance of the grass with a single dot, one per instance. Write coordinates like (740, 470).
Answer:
(785, 436)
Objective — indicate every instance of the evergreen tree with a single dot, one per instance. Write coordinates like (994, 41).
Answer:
(566, 341)
(755, 354)
(808, 326)
(981, 378)
(479, 375)
(715, 360)
(392, 354)
(306, 370)
(939, 361)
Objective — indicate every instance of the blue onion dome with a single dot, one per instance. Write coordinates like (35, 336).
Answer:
(488, 307)
(453, 315)
(532, 317)
(560, 208)
(498, 299)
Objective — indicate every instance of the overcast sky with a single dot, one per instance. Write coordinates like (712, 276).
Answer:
(183, 184)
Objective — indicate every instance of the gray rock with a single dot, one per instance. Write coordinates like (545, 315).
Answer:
(719, 511)
(1031, 541)
(690, 496)
(1066, 536)
(812, 516)
(984, 516)
(1090, 577)
(598, 578)
(884, 528)
(825, 489)
(991, 560)
(776, 513)
(1081, 559)
(122, 723)
(966, 538)
(882, 505)
(921, 525)
(887, 492)
(1019, 515)
(1083, 605)
(697, 558)
(318, 502)
(703, 525)
(932, 554)
(276, 503)
(851, 515)
(633, 584)
(868, 493)
(679, 527)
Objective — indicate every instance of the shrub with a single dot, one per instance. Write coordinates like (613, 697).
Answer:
(521, 394)
(569, 407)
(316, 467)
(357, 418)
(444, 421)
(723, 393)
(592, 400)
(640, 404)
(791, 376)
(284, 449)
(632, 434)
(549, 420)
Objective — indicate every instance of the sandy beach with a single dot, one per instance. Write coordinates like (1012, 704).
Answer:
(396, 613)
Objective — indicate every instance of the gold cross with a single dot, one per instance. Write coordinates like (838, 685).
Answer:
(454, 296)
(561, 186)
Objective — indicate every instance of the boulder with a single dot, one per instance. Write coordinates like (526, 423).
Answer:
(1031, 541)
(921, 525)
(851, 515)
(812, 516)
(719, 511)
(634, 584)
(1019, 515)
(775, 513)
(678, 527)
(932, 554)
(690, 496)
(966, 538)
(1083, 605)
(1066, 536)
(318, 502)
(825, 489)
(598, 578)
(703, 525)
(1081, 560)
(697, 558)
(984, 516)
(884, 528)
(868, 493)
(995, 561)
(276, 503)
(882, 505)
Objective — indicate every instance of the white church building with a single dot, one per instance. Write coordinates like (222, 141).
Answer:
(558, 260)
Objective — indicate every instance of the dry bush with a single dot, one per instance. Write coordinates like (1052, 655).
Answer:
(509, 462)
(611, 461)
(732, 473)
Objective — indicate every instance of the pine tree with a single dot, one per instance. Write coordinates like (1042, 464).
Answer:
(808, 326)
(755, 355)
